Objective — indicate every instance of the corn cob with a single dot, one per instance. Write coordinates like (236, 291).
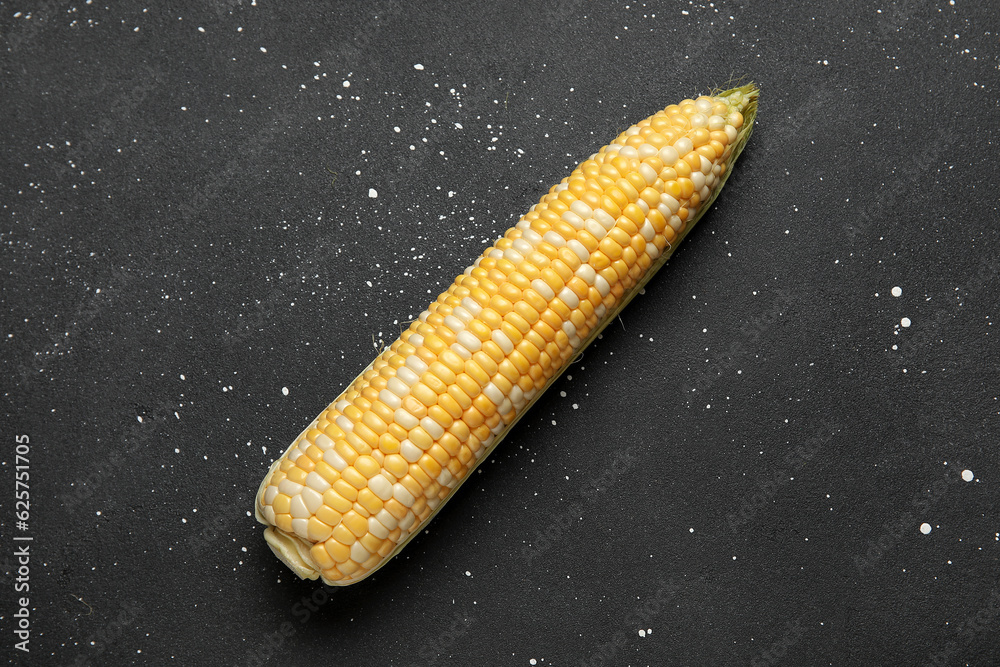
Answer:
(376, 465)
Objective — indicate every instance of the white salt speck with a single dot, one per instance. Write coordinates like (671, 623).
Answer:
(897, 291)
(458, 125)
(532, 662)
(263, 50)
(905, 322)
(140, 419)
(418, 66)
(925, 528)
(347, 84)
(284, 391)
(967, 475)
(690, 530)
(468, 574)
(372, 192)
(642, 633)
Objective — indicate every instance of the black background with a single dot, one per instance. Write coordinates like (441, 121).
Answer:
(740, 465)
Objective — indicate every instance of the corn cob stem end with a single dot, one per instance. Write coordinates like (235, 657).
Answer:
(290, 549)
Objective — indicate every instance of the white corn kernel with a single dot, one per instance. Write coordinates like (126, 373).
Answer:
(461, 351)
(400, 493)
(432, 427)
(671, 204)
(358, 553)
(604, 218)
(298, 508)
(301, 528)
(323, 442)
(603, 288)
(316, 482)
(407, 375)
(416, 364)
(586, 273)
(595, 228)
(454, 323)
(531, 236)
(406, 522)
(405, 419)
(646, 150)
(581, 209)
(648, 173)
(573, 219)
(289, 488)
(522, 247)
(471, 306)
(492, 392)
(376, 528)
(311, 499)
(386, 519)
(669, 155)
(469, 341)
(334, 460)
(389, 398)
(270, 494)
(381, 487)
(579, 249)
(501, 339)
(698, 179)
(570, 298)
(554, 239)
(543, 289)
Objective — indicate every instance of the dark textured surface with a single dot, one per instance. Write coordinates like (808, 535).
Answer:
(187, 230)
